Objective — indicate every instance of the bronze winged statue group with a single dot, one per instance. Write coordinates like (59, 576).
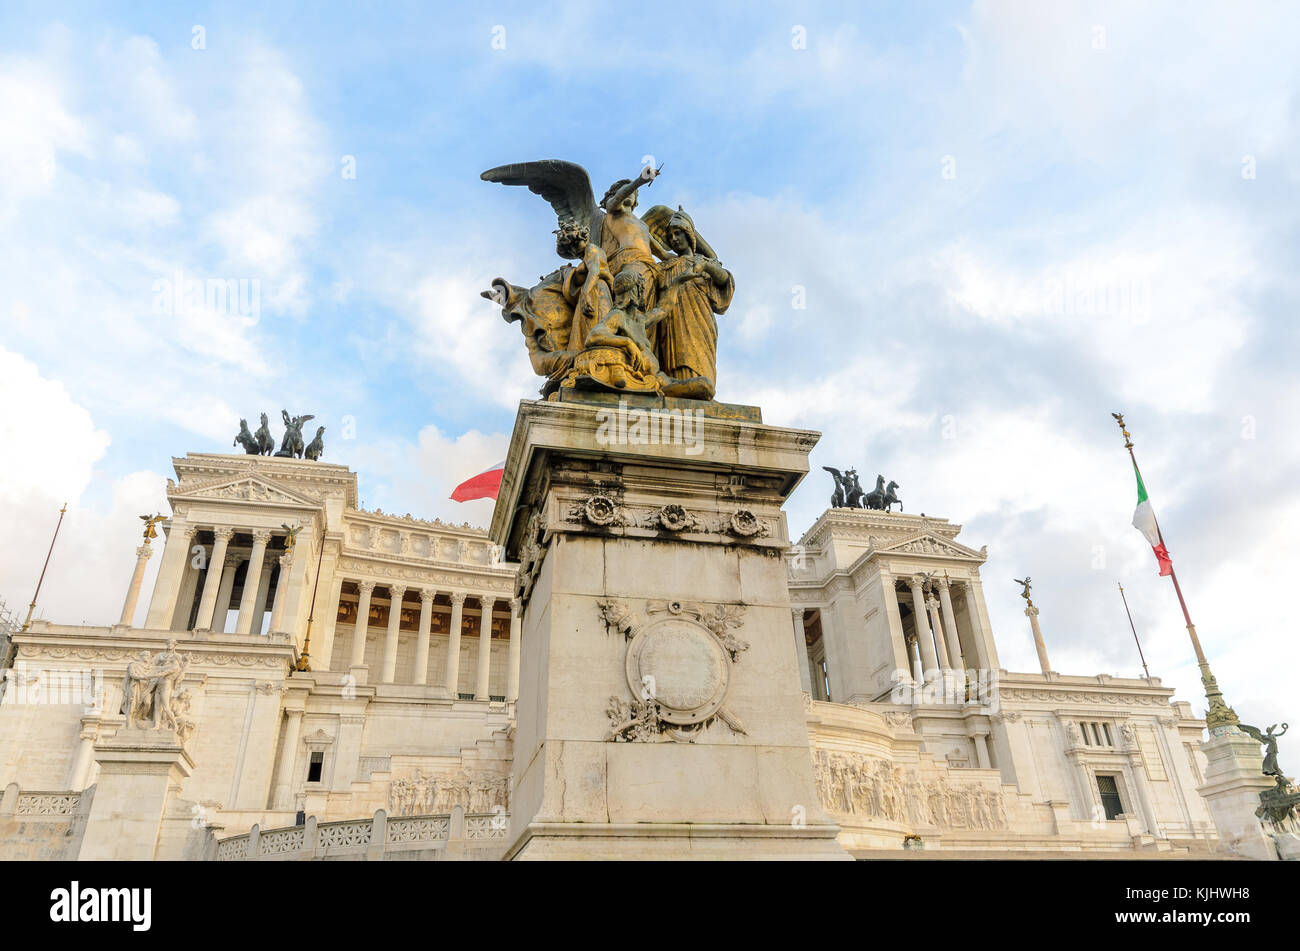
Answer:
(849, 493)
(261, 443)
(635, 310)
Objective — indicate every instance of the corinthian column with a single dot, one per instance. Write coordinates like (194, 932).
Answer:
(950, 625)
(453, 642)
(941, 643)
(481, 688)
(142, 555)
(226, 590)
(212, 582)
(363, 621)
(252, 581)
(512, 667)
(923, 638)
(281, 590)
(422, 639)
(171, 572)
(390, 640)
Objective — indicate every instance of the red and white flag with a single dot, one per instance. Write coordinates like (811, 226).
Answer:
(485, 485)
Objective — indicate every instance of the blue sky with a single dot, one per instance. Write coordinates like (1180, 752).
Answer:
(951, 185)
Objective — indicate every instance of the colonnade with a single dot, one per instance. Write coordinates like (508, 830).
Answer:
(484, 604)
(186, 596)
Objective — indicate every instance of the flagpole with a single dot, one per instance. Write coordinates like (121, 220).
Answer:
(304, 661)
(1219, 713)
(1135, 631)
(40, 581)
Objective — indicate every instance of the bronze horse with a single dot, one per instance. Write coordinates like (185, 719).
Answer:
(883, 496)
(245, 438)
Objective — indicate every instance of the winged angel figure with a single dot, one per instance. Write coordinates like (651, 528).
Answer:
(623, 316)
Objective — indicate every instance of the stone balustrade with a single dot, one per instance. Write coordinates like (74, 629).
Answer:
(370, 839)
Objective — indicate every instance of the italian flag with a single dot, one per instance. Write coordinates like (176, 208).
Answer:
(485, 485)
(1144, 520)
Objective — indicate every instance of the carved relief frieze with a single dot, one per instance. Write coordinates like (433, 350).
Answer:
(436, 793)
(854, 784)
(1079, 696)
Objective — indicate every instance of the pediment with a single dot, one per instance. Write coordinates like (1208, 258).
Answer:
(249, 488)
(927, 544)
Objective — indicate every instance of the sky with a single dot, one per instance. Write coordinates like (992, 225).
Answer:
(962, 235)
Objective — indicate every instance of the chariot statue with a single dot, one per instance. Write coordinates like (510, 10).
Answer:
(291, 445)
(848, 490)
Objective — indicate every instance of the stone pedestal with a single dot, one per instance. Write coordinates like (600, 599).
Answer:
(660, 711)
(1234, 779)
(136, 769)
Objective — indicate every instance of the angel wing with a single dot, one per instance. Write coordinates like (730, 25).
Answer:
(1252, 732)
(833, 471)
(656, 219)
(566, 185)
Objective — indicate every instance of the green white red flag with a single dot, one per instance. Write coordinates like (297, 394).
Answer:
(1144, 520)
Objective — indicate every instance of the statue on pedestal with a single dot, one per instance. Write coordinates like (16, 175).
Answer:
(1279, 803)
(636, 313)
(147, 692)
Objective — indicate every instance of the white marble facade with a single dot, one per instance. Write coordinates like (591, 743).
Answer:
(899, 655)
(918, 738)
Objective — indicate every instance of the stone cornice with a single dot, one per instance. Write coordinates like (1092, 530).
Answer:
(1025, 689)
(324, 475)
(409, 522)
(861, 523)
(60, 642)
(381, 569)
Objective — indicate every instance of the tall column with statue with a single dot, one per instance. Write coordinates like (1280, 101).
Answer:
(142, 556)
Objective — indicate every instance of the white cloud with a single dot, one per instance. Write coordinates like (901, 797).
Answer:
(417, 477)
(58, 448)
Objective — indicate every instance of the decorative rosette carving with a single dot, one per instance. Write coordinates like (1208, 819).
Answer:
(673, 518)
(744, 523)
(600, 510)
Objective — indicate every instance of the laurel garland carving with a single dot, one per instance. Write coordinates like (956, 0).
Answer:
(651, 716)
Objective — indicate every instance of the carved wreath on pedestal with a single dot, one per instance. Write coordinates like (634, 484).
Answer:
(678, 668)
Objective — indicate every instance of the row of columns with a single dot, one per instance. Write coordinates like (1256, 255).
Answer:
(388, 669)
(218, 582)
(938, 639)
